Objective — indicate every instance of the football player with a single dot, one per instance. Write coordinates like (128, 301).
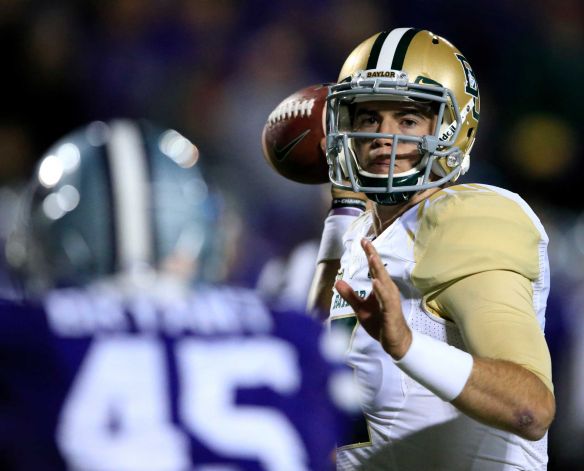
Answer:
(117, 360)
(443, 286)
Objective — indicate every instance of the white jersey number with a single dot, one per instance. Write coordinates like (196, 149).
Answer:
(118, 413)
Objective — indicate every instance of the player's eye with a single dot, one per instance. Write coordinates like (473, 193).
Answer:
(367, 121)
(408, 123)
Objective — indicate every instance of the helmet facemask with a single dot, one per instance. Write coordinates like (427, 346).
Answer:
(392, 188)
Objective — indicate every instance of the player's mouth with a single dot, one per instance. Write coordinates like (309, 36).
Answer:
(380, 162)
(379, 165)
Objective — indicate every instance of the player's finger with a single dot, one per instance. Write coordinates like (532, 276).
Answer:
(376, 267)
(382, 294)
(387, 297)
(348, 294)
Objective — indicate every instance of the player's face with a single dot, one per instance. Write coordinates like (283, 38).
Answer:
(389, 117)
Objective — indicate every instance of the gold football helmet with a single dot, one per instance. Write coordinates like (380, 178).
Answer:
(405, 64)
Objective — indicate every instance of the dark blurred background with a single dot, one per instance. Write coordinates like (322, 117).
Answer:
(215, 69)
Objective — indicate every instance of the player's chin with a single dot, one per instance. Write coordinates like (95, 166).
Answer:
(378, 168)
(383, 169)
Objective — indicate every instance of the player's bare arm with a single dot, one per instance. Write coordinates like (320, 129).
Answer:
(327, 267)
(506, 395)
(498, 393)
(319, 296)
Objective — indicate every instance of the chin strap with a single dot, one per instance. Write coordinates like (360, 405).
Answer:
(390, 199)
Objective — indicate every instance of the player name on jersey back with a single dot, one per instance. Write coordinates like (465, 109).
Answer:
(76, 313)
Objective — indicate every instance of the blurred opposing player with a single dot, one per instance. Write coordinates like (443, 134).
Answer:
(122, 364)
(442, 286)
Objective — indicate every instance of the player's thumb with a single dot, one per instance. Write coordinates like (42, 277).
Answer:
(347, 293)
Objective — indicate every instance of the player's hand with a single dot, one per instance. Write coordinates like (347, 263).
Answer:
(380, 313)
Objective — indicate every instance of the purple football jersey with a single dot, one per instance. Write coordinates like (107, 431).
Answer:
(212, 381)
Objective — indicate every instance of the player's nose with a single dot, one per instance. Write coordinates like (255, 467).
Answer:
(386, 126)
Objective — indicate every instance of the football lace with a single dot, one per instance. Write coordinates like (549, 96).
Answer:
(291, 109)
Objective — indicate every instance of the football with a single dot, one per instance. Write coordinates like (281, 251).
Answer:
(292, 134)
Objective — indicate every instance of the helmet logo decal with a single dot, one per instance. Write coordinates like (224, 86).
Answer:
(426, 81)
(381, 73)
(471, 85)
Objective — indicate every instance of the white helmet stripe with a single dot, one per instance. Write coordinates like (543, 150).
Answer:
(389, 47)
(131, 195)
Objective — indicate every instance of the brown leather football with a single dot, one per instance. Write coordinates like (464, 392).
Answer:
(292, 135)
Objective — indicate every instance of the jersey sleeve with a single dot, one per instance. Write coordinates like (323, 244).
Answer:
(463, 232)
(494, 313)
(478, 256)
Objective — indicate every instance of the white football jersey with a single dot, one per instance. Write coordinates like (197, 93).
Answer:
(457, 232)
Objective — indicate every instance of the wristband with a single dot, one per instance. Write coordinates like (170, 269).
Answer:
(437, 366)
(339, 203)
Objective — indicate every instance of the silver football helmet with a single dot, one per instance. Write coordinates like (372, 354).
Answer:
(120, 198)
